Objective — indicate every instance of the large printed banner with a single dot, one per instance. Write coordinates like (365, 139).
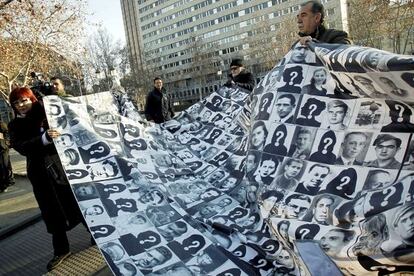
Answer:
(309, 174)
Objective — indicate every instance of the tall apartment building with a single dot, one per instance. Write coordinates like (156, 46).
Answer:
(190, 43)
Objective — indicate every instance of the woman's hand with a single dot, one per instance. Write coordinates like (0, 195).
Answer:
(53, 133)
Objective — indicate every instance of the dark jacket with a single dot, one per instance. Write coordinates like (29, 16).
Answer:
(57, 204)
(331, 36)
(4, 133)
(244, 80)
(158, 106)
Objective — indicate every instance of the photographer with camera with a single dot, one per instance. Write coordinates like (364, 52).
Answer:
(40, 87)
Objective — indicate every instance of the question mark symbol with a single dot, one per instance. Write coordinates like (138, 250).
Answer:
(264, 103)
(238, 253)
(279, 135)
(293, 76)
(102, 230)
(107, 132)
(216, 102)
(400, 110)
(389, 193)
(127, 205)
(76, 173)
(99, 150)
(312, 109)
(303, 232)
(327, 143)
(270, 247)
(112, 189)
(194, 244)
(261, 263)
(236, 214)
(344, 181)
(131, 130)
(150, 239)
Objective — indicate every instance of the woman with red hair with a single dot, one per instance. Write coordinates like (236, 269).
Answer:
(31, 137)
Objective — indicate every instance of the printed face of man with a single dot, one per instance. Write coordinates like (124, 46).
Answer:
(229, 183)
(315, 177)
(209, 194)
(267, 168)
(105, 170)
(336, 115)
(386, 150)
(379, 180)
(374, 58)
(210, 152)
(284, 107)
(322, 210)
(150, 259)
(206, 116)
(115, 251)
(303, 141)
(138, 220)
(405, 226)
(172, 231)
(285, 259)
(258, 136)
(353, 145)
(298, 55)
(333, 242)
(368, 242)
(163, 160)
(93, 210)
(204, 259)
(296, 208)
(152, 197)
(250, 163)
(85, 190)
(293, 169)
(64, 140)
(283, 230)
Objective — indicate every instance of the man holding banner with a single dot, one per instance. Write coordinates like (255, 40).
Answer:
(310, 21)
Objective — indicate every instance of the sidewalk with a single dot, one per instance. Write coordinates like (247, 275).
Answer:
(18, 207)
(25, 245)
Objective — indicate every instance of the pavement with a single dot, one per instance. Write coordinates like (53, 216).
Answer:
(25, 245)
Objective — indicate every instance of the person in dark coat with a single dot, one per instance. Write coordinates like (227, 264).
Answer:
(310, 21)
(6, 171)
(31, 137)
(158, 107)
(240, 76)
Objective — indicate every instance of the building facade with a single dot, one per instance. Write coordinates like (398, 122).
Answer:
(190, 43)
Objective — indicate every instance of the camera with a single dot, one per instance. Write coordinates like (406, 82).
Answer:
(40, 87)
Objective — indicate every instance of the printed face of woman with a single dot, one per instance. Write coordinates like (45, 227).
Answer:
(319, 76)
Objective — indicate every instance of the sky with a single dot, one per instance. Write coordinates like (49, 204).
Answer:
(108, 13)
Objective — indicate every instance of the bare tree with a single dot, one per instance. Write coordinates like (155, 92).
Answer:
(38, 36)
(382, 24)
(104, 55)
(268, 41)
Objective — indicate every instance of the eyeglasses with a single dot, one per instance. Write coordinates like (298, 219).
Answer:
(390, 147)
(22, 102)
(234, 68)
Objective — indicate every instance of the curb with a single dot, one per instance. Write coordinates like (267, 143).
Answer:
(8, 231)
(20, 174)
